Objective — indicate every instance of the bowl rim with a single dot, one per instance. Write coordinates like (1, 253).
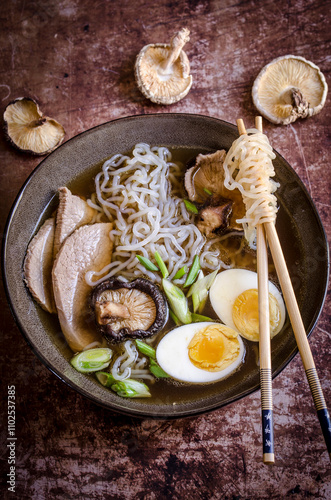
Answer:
(117, 408)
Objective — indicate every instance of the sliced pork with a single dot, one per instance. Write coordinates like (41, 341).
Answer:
(89, 248)
(72, 213)
(38, 265)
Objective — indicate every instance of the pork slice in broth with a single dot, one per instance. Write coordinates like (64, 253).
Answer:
(38, 265)
(72, 213)
(88, 248)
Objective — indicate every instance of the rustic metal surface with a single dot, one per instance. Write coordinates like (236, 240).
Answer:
(76, 58)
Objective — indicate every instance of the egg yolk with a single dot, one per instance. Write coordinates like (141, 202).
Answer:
(214, 348)
(245, 314)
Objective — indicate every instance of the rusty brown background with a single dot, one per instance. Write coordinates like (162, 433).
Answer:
(76, 58)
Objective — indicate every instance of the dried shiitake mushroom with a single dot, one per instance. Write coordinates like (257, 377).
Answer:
(128, 310)
(288, 88)
(163, 70)
(219, 207)
(28, 130)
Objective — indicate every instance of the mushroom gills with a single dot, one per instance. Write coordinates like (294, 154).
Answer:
(288, 88)
(219, 207)
(29, 130)
(214, 217)
(125, 310)
(108, 312)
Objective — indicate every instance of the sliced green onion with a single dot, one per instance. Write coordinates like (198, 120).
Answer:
(157, 371)
(161, 264)
(92, 360)
(199, 299)
(146, 349)
(204, 284)
(127, 388)
(193, 273)
(178, 301)
(174, 318)
(196, 318)
(207, 191)
(202, 299)
(172, 290)
(147, 263)
(105, 378)
(89, 365)
(191, 207)
(196, 302)
(180, 273)
(123, 391)
(130, 388)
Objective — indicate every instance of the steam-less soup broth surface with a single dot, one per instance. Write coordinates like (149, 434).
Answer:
(233, 252)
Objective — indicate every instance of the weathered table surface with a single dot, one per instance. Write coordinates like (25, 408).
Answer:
(76, 58)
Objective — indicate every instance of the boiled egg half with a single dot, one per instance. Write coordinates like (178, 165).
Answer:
(200, 352)
(234, 298)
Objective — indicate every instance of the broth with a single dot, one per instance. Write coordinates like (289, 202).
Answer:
(168, 391)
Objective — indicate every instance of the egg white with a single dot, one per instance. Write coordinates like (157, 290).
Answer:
(172, 356)
(229, 284)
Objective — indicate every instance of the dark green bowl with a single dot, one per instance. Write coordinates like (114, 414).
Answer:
(298, 224)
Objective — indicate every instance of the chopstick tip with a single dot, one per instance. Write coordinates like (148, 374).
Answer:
(241, 126)
(268, 458)
(258, 123)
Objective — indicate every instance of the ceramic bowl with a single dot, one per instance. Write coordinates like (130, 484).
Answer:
(300, 230)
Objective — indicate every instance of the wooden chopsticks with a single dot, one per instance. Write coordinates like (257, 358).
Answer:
(296, 321)
(264, 333)
(299, 332)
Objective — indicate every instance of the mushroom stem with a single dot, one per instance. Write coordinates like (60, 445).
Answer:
(176, 44)
(106, 312)
(37, 123)
(299, 103)
(293, 99)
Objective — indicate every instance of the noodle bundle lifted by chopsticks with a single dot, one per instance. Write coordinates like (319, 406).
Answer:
(253, 153)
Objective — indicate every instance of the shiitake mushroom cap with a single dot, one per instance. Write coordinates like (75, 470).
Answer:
(125, 333)
(28, 130)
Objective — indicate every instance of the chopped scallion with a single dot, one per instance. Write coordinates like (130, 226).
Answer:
(174, 318)
(92, 360)
(130, 388)
(124, 391)
(146, 349)
(191, 207)
(196, 318)
(157, 371)
(105, 378)
(202, 299)
(147, 263)
(196, 302)
(207, 191)
(193, 273)
(127, 388)
(161, 264)
(178, 301)
(199, 299)
(89, 365)
(203, 284)
(180, 273)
